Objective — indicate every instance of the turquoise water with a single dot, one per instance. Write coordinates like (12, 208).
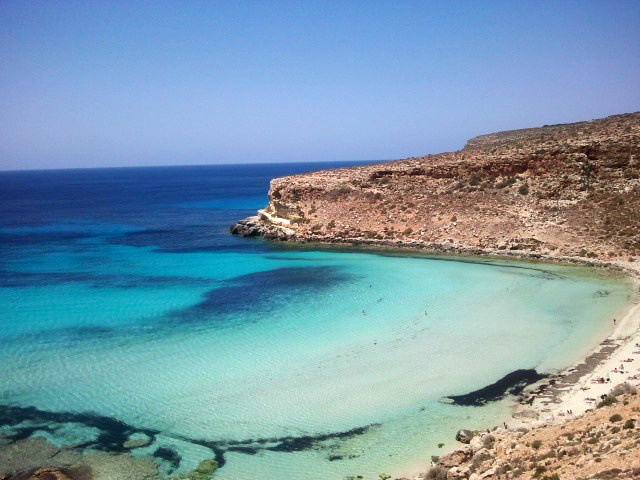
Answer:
(288, 362)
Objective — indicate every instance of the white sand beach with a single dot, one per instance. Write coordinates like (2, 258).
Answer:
(621, 363)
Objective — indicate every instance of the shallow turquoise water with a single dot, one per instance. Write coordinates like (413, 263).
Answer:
(243, 341)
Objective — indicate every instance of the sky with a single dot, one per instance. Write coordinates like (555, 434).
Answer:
(123, 83)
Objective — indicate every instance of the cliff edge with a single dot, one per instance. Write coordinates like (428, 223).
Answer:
(570, 190)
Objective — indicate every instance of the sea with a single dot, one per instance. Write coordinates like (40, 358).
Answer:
(128, 311)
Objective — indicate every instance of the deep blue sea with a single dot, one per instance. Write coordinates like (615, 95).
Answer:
(128, 310)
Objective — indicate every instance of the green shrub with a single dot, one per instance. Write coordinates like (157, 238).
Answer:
(506, 183)
(607, 401)
(437, 473)
(524, 189)
(622, 389)
(536, 444)
(631, 423)
(540, 469)
(615, 418)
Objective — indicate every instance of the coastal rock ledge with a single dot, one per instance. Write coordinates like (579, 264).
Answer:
(600, 444)
(569, 190)
(255, 227)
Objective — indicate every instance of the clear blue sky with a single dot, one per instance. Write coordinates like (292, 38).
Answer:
(110, 83)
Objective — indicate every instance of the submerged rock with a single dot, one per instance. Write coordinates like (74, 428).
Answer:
(137, 440)
(37, 459)
(45, 473)
(204, 471)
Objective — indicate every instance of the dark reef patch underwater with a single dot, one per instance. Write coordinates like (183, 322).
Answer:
(261, 292)
(511, 384)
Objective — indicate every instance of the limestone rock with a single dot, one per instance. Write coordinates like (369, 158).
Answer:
(464, 436)
(137, 440)
(455, 458)
(249, 227)
(556, 190)
(476, 443)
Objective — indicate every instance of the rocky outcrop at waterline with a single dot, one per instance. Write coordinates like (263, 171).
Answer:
(267, 228)
(601, 444)
(560, 190)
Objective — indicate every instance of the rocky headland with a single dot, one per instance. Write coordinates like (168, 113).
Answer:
(570, 190)
(568, 193)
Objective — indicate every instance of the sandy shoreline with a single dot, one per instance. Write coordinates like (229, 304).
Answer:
(578, 389)
(571, 389)
(580, 386)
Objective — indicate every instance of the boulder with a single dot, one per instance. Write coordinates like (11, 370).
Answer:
(464, 436)
(488, 473)
(455, 458)
(476, 443)
(248, 227)
(137, 440)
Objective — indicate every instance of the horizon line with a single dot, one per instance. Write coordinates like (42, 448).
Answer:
(13, 170)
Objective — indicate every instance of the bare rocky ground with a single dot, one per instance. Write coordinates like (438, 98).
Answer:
(565, 190)
(603, 443)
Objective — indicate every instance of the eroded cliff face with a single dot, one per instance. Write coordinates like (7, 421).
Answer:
(565, 190)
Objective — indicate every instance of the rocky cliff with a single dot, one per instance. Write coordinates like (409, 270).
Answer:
(558, 190)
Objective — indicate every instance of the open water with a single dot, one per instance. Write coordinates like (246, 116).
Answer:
(126, 307)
